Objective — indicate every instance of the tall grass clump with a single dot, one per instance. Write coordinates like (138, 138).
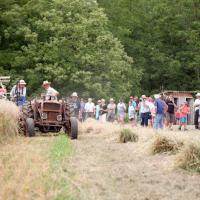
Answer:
(9, 114)
(189, 158)
(127, 135)
(163, 144)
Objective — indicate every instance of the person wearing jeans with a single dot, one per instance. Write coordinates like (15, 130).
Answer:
(144, 111)
(160, 110)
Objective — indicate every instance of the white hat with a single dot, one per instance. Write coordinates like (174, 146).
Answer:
(156, 96)
(144, 96)
(74, 94)
(198, 94)
(46, 83)
(22, 82)
(111, 99)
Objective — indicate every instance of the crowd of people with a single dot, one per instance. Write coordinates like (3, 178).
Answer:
(157, 112)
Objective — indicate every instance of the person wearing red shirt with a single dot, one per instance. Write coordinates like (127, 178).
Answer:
(184, 111)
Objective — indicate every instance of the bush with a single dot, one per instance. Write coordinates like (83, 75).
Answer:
(9, 114)
(162, 144)
(127, 135)
(189, 158)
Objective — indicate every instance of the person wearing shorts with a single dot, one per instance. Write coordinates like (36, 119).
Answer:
(170, 114)
(184, 111)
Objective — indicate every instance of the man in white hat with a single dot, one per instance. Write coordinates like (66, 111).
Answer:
(76, 104)
(197, 109)
(18, 93)
(51, 93)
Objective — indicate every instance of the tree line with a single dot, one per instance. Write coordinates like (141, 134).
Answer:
(101, 48)
(163, 39)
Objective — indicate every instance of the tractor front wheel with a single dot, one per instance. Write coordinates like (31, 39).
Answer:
(30, 127)
(74, 128)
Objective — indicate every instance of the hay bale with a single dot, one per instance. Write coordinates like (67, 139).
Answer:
(163, 144)
(9, 114)
(127, 135)
(189, 158)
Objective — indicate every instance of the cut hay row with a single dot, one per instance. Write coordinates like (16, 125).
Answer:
(189, 157)
(128, 135)
(163, 144)
(9, 114)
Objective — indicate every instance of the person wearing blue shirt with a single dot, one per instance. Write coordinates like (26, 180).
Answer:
(160, 110)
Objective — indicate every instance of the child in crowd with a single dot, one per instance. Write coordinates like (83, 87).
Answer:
(131, 114)
(184, 111)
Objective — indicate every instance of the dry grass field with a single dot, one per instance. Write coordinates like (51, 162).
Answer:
(99, 165)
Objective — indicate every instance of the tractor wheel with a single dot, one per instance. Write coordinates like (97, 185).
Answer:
(74, 128)
(30, 127)
(27, 110)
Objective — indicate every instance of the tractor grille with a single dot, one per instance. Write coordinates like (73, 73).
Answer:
(52, 116)
(51, 107)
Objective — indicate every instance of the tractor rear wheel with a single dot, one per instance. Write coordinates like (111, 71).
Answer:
(74, 128)
(30, 127)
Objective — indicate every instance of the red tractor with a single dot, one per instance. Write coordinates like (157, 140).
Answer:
(48, 116)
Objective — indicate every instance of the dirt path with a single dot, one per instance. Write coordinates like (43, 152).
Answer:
(108, 170)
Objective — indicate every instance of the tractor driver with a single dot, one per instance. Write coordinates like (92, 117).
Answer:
(51, 93)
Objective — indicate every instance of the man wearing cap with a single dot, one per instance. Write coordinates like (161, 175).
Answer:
(111, 110)
(196, 108)
(18, 93)
(51, 93)
(76, 104)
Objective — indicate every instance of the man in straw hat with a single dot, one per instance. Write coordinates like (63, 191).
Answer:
(111, 110)
(51, 93)
(18, 93)
(196, 108)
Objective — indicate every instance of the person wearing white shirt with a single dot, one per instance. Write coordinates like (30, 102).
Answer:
(89, 109)
(51, 93)
(18, 93)
(144, 111)
(196, 108)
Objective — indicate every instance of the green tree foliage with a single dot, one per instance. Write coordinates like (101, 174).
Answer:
(67, 42)
(163, 37)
